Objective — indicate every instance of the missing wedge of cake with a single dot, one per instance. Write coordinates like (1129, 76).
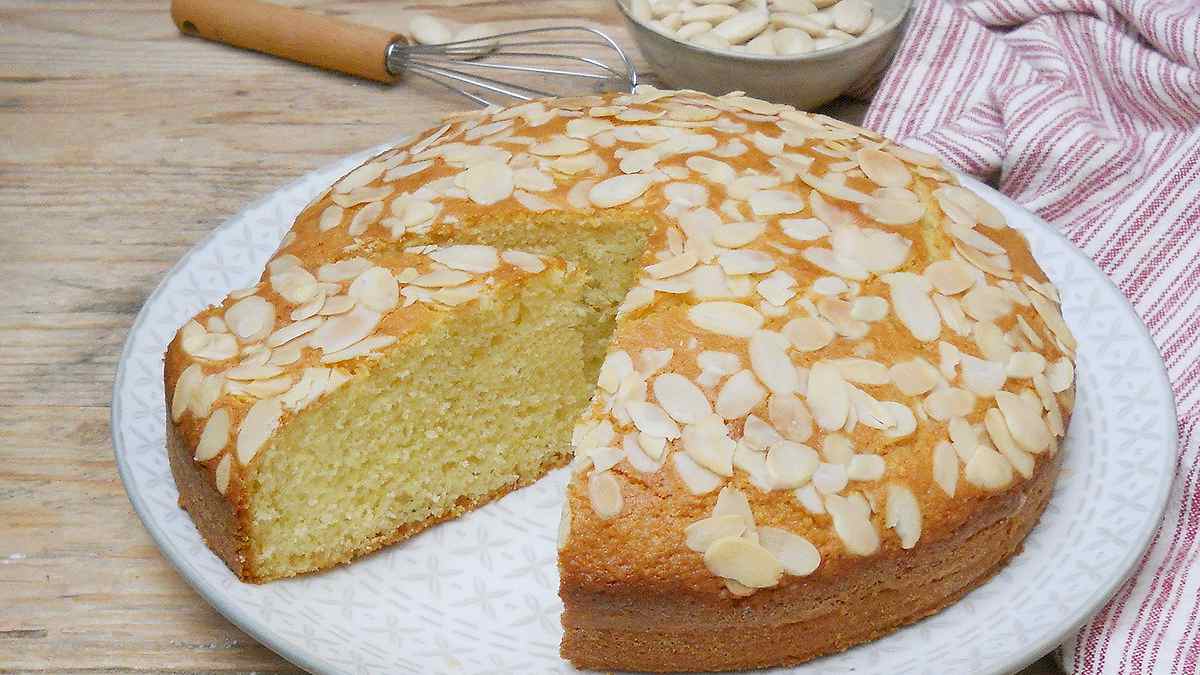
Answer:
(811, 389)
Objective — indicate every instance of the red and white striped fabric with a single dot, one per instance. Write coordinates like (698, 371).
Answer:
(1088, 113)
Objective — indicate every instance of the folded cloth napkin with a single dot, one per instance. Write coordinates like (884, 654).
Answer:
(1087, 112)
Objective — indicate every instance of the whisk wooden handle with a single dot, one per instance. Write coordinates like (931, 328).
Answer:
(289, 33)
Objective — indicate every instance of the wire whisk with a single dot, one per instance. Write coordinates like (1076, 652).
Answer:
(496, 69)
(522, 55)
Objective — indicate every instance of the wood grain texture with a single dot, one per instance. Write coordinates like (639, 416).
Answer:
(122, 143)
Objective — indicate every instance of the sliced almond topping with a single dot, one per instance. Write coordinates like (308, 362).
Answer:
(687, 194)
(331, 217)
(808, 334)
(810, 499)
(732, 502)
(790, 465)
(775, 202)
(828, 396)
(681, 398)
(586, 127)
(991, 342)
(986, 303)
(557, 146)
(832, 189)
(733, 235)
(709, 444)
(338, 304)
(945, 467)
(343, 330)
(376, 289)
(1024, 422)
(884, 169)
(343, 270)
(604, 491)
(251, 319)
(527, 262)
(726, 318)
(468, 258)
(903, 515)
(1060, 375)
(1050, 314)
(295, 285)
(696, 478)
(804, 229)
(982, 377)
(618, 190)
(746, 262)
(910, 299)
(713, 170)
(777, 288)
(743, 561)
(366, 347)
(740, 394)
(487, 182)
(700, 535)
(257, 426)
(797, 554)
(185, 388)
(830, 478)
(215, 436)
(988, 470)
(863, 371)
(997, 430)
(852, 526)
(650, 419)
(866, 467)
(616, 367)
(949, 402)
(771, 364)
(1025, 364)
(223, 473)
(653, 446)
(914, 377)
(893, 211)
(949, 277)
(672, 266)
(651, 361)
(790, 417)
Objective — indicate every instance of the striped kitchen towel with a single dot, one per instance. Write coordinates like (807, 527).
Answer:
(1087, 112)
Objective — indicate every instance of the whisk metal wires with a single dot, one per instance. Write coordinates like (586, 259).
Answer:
(525, 58)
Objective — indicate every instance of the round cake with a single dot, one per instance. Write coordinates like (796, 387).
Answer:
(811, 389)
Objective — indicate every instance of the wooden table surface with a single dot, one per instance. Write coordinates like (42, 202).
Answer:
(122, 143)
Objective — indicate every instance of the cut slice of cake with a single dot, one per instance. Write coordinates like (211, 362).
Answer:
(821, 384)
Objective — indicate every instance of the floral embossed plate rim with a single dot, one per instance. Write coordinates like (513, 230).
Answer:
(458, 598)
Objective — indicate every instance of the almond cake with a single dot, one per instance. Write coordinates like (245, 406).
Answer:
(810, 388)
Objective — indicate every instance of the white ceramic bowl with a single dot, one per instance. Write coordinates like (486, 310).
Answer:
(805, 81)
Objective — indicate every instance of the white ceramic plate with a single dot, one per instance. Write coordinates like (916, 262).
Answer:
(479, 594)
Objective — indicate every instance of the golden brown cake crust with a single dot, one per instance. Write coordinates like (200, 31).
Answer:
(621, 629)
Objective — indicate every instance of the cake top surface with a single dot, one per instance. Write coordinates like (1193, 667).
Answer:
(826, 334)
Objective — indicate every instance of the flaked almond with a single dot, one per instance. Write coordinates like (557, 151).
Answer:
(903, 515)
(945, 467)
(697, 479)
(739, 395)
(988, 470)
(467, 257)
(260, 422)
(828, 396)
(681, 398)
(604, 491)
(651, 419)
(726, 318)
(618, 190)
(743, 561)
(700, 535)
(852, 526)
